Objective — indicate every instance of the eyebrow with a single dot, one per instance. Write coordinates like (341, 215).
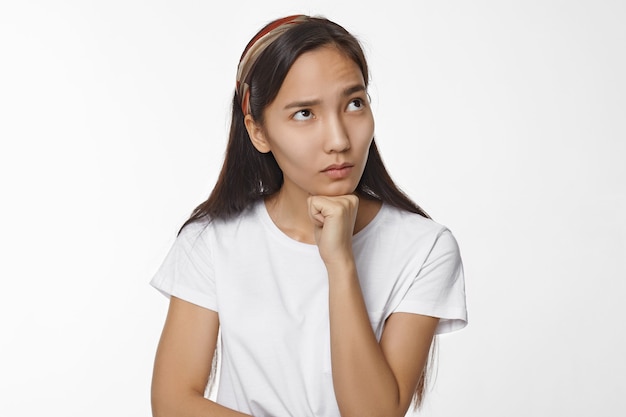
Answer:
(354, 89)
(310, 103)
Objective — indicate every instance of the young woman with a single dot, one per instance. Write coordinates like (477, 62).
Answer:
(326, 283)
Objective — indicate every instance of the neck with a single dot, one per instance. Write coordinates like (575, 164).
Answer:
(290, 214)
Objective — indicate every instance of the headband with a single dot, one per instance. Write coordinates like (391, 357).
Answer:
(255, 48)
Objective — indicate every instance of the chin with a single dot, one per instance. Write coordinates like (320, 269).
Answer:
(336, 190)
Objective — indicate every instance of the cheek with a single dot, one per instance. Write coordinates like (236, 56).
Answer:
(291, 147)
(362, 133)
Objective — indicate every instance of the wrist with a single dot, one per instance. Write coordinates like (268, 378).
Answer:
(339, 267)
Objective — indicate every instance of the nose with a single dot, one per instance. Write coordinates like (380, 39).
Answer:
(336, 135)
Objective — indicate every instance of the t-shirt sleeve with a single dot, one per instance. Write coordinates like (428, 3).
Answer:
(187, 271)
(438, 290)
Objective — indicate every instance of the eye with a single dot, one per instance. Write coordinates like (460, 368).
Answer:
(355, 104)
(302, 115)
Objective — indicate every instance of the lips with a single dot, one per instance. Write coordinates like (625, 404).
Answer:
(337, 166)
(338, 171)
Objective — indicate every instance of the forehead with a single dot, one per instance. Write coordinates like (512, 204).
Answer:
(320, 70)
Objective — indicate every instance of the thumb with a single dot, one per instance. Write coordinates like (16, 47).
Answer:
(315, 211)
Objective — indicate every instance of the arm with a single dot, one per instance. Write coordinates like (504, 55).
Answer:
(183, 363)
(373, 379)
(370, 379)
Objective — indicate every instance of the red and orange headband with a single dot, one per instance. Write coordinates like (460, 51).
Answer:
(255, 48)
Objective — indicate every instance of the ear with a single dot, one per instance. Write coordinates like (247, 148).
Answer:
(257, 135)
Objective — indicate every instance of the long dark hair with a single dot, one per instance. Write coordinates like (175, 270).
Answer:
(248, 175)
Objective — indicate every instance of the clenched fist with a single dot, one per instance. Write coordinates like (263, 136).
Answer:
(333, 219)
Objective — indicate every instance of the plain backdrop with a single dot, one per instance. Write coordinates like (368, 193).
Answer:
(505, 120)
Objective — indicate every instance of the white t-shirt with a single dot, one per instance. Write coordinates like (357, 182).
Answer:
(271, 294)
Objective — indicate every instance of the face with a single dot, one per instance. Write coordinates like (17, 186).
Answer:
(320, 126)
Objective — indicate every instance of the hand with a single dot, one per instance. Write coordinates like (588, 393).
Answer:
(333, 219)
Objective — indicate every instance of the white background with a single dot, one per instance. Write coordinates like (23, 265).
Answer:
(505, 120)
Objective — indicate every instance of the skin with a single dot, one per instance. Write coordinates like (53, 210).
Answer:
(320, 117)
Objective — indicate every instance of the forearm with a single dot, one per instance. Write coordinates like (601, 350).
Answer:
(364, 383)
(189, 405)
(183, 363)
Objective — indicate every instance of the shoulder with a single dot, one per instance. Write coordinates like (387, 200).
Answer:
(408, 224)
(403, 237)
(415, 234)
(220, 232)
(207, 225)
